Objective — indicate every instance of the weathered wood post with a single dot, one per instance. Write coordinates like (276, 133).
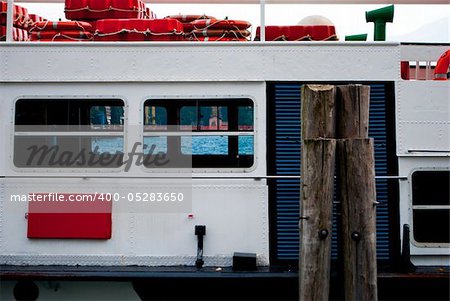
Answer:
(356, 180)
(316, 206)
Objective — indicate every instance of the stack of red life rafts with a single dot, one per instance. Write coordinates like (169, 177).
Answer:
(205, 28)
(299, 33)
(62, 31)
(21, 22)
(123, 20)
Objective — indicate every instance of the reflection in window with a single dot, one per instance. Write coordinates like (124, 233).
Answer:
(107, 145)
(204, 118)
(155, 144)
(44, 133)
(245, 145)
(104, 115)
(188, 118)
(213, 118)
(204, 145)
(155, 118)
(245, 118)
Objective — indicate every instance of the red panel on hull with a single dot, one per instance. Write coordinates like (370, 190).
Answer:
(69, 225)
(69, 215)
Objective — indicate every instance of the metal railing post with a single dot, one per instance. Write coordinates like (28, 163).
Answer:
(262, 7)
(9, 21)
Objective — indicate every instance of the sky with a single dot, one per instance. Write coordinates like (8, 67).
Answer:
(412, 23)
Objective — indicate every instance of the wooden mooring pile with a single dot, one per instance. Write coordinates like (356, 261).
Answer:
(335, 135)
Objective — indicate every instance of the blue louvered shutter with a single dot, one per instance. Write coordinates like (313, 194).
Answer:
(284, 159)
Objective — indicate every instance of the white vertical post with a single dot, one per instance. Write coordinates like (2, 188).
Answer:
(262, 34)
(9, 20)
(417, 70)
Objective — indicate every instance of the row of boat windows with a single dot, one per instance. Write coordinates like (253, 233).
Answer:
(206, 133)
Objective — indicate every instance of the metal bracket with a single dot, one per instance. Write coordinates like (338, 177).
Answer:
(406, 263)
(200, 231)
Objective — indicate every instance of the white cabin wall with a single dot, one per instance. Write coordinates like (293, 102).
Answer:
(423, 143)
(235, 211)
(423, 118)
(134, 95)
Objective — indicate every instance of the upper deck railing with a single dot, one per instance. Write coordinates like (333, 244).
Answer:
(362, 2)
(262, 4)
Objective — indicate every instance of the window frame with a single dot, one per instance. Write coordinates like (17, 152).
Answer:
(208, 100)
(102, 133)
(413, 208)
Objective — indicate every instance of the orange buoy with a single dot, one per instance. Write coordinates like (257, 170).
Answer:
(440, 72)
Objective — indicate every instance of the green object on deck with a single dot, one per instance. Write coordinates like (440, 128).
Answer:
(380, 17)
(357, 37)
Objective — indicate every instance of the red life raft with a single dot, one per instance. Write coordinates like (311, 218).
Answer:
(57, 35)
(220, 24)
(139, 30)
(221, 32)
(62, 25)
(19, 34)
(219, 39)
(104, 9)
(299, 33)
(67, 31)
(21, 19)
(34, 19)
(60, 38)
(188, 19)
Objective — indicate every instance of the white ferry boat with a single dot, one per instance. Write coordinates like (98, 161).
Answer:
(149, 169)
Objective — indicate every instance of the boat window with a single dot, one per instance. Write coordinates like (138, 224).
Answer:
(69, 133)
(431, 206)
(212, 133)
